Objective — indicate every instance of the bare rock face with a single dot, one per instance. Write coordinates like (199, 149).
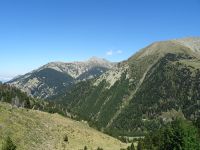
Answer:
(76, 69)
(56, 77)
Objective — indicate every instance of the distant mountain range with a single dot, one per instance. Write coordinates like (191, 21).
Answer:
(5, 79)
(158, 83)
(55, 78)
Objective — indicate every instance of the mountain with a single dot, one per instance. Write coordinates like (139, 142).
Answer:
(56, 77)
(158, 83)
(31, 130)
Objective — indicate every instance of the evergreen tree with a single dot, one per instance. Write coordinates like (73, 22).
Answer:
(177, 135)
(85, 148)
(128, 148)
(140, 145)
(27, 103)
(180, 135)
(132, 147)
(8, 144)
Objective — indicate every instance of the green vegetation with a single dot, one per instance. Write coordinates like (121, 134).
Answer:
(178, 134)
(54, 79)
(8, 144)
(151, 105)
(49, 79)
(96, 100)
(140, 145)
(160, 83)
(66, 138)
(132, 147)
(18, 98)
(169, 90)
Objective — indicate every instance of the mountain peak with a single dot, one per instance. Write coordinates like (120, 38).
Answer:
(187, 45)
(95, 58)
(98, 59)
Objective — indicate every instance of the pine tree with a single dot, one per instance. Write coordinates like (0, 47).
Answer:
(8, 144)
(85, 148)
(132, 147)
(179, 135)
(140, 145)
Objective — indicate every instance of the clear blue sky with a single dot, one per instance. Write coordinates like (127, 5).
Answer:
(34, 32)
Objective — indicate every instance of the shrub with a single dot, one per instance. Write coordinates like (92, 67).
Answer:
(66, 138)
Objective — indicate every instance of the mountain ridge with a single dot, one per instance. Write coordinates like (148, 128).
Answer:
(78, 66)
(56, 77)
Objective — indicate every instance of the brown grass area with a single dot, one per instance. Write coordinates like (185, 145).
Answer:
(35, 130)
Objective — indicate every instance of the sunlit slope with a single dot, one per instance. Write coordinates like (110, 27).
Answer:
(35, 130)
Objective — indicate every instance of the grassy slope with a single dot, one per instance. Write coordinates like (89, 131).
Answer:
(30, 129)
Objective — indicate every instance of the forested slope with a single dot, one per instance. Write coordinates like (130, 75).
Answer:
(157, 84)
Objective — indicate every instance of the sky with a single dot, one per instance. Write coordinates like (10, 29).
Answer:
(35, 32)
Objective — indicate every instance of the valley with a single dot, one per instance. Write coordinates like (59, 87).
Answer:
(99, 75)
(155, 89)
